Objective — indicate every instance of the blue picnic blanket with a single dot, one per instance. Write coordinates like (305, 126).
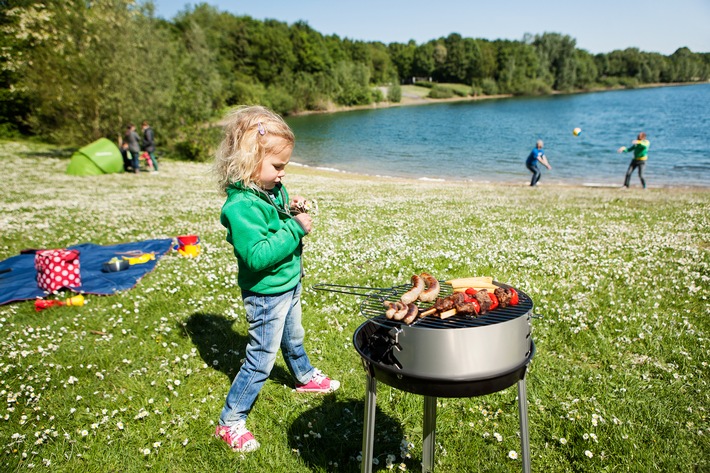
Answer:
(18, 274)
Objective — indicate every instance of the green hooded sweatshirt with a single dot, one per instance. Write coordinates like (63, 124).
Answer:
(266, 239)
(640, 150)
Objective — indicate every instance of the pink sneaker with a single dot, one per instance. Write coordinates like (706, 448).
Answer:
(237, 437)
(319, 383)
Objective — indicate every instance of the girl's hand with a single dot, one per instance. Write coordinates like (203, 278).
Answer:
(306, 221)
(621, 150)
(297, 201)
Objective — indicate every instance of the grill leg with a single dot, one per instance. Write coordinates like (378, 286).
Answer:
(524, 436)
(429, 440)
(368, 429)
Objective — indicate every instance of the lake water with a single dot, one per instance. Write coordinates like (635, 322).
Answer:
(489, 140)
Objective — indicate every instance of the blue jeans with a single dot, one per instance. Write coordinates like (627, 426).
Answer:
(636, 163)
(274, 322)
(536, 173)
(135, 158)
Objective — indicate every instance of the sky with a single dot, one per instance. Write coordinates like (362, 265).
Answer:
(599, 26)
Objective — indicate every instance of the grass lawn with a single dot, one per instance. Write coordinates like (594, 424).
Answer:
(136, 381)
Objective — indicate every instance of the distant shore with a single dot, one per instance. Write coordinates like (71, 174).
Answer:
(410, 99)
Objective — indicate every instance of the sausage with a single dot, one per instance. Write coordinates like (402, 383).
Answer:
(412, 294)
(391, 309)
(432, 288)
(412, 313)
(401, 310)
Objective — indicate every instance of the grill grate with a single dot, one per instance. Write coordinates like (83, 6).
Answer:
(372, 307)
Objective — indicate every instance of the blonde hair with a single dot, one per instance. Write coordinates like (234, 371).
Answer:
(246, 141)
(539, 144)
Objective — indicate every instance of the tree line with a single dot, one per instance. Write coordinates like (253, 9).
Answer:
(72, 71)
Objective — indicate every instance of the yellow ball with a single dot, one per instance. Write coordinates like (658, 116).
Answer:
(576, 131)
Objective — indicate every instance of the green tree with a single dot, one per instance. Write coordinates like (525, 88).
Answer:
(557, 55)
(381, 67)
(310, 49)
(353, 84)
(485, 59)
(686, 66)
(586, 70)
(439, 54)
(456, 62)
(518, 67)
(402, 56)
(423, 63)
(87, 68)
(14, 102)
(197, 90)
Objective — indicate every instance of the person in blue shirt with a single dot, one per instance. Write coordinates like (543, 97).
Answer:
(535, 156)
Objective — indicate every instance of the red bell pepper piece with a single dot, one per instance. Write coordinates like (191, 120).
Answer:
(494, 300)
(514, 299)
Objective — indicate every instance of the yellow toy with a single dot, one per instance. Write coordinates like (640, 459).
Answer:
(75, 301)
(576, 131)
(188, 245)
(144, 258)
(189, 250)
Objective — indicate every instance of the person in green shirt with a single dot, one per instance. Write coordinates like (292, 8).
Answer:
(640, 150)
(265, 228)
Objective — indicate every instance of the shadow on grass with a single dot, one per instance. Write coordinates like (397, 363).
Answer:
(221, 347)
(328, 437)
(51, 153)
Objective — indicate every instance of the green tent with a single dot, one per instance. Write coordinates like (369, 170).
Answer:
(99, 157)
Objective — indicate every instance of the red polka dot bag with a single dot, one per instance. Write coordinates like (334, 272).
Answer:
(57, 269)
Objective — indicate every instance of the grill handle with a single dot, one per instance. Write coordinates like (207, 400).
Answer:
(344, 289)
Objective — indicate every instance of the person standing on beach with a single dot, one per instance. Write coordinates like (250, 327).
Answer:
(132, 143)
(535, 156)
(148, 144)
(640, 149)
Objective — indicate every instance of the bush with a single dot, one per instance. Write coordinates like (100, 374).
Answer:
(609, 82)
(441, 92)
(489, 86)
(9, 131)
(242, 93)
(200, 144)
(279, 100)
(377, 95)
(394, 93)
(629, 82)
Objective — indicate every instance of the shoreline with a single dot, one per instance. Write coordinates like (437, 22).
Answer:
(329, 172)
(413, 100)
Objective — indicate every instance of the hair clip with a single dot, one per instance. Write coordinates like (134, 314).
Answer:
(260, 127)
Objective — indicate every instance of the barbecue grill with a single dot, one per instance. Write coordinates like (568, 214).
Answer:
(461, 356)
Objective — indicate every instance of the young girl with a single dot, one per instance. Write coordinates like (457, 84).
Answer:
(266, 237)
(537, 154)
